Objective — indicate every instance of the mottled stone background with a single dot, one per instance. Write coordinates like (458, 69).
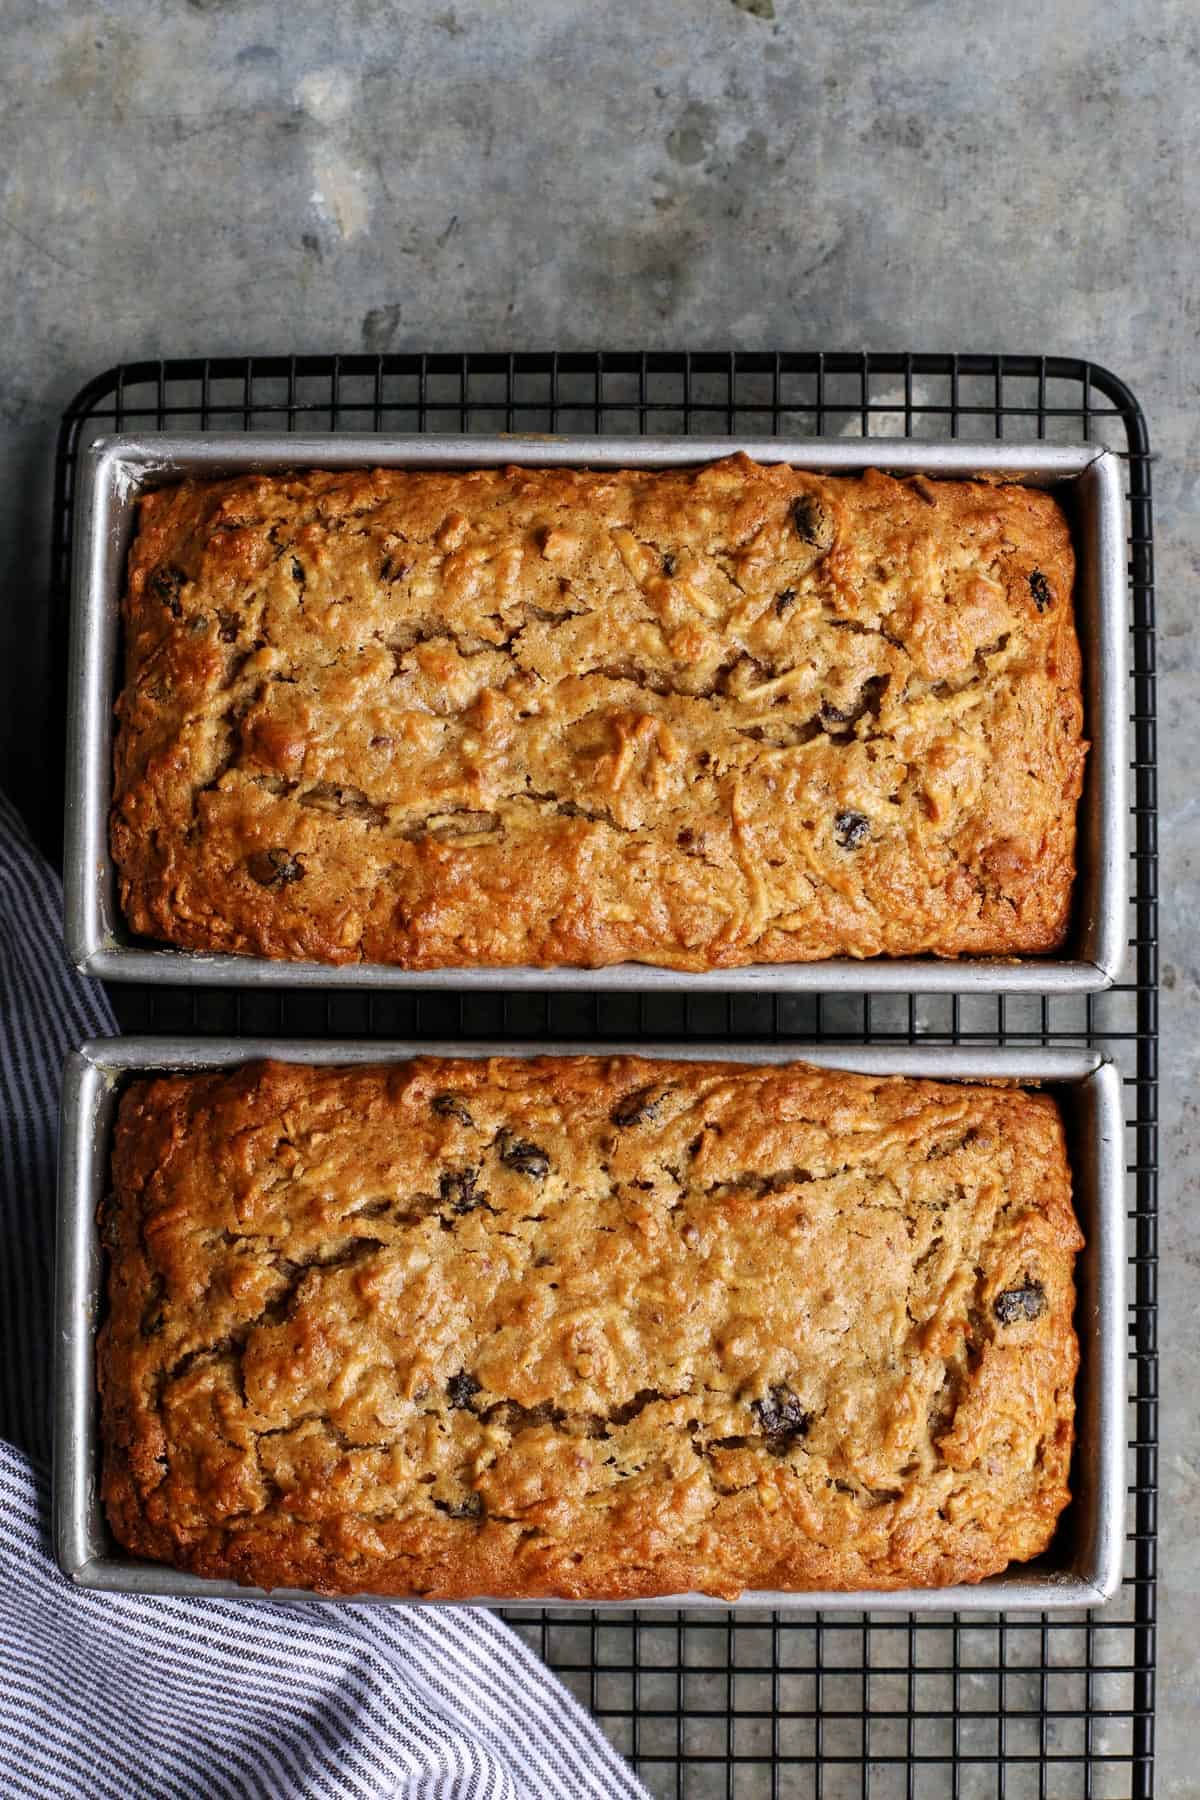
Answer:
(211, 176)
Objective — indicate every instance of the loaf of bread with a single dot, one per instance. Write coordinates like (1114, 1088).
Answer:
(586, 1327)
(697, 718)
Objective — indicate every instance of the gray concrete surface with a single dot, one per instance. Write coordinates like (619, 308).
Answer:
(240, 175)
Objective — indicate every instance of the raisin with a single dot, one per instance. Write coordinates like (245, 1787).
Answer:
(638, 1107)
(461, 1389)
(785, 599)
(274, 868)
(1039, 587)
(782, 1417)
(685, 839)
(808, 516)
(526, 1158)
(229, 624)
(457, 1189)
(669, 565)
(1016, 1304)
(869, 696)
(298, 575)
(850, 829)
(392, 569)
(449, 1106)
(165, 584)
(470, 1508)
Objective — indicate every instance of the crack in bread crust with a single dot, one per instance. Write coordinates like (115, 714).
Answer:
(649, 691)
(589, 1327)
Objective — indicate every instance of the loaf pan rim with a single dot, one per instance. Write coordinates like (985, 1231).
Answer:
(113, 468)
(94, 1073)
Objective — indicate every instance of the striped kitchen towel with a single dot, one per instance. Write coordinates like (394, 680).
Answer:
(103, 1695)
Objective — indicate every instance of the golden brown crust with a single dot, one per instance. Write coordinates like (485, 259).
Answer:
(586, 1327)
(695, 717)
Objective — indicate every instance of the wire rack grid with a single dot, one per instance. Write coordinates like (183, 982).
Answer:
(789, 1703)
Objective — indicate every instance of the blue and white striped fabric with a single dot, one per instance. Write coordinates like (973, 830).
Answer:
(107, 1696)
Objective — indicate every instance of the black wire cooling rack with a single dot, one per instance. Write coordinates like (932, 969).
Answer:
(789, 1703)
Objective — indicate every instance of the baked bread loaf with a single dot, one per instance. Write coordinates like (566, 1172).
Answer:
(698, 718)
(594, 1328)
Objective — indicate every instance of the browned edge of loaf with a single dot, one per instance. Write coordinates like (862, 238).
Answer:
(643, 1327)
(696, 718)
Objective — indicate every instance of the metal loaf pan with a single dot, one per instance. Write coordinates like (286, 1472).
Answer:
(1082, 1567)
(115, 470)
